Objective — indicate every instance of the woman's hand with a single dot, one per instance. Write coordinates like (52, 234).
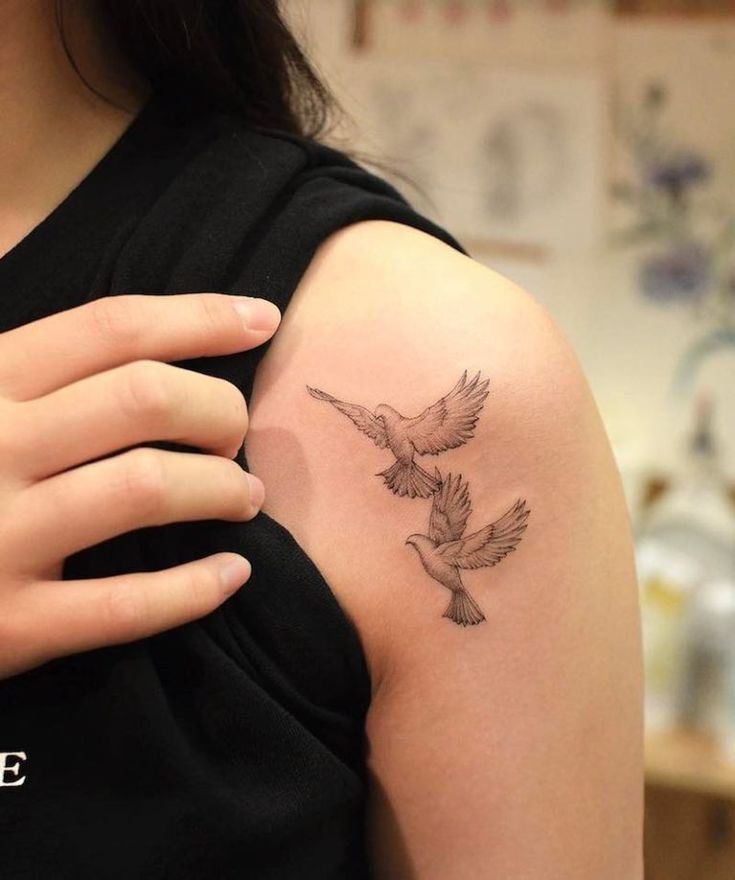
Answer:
(77, 386)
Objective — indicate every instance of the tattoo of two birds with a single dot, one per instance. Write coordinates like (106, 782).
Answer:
(446, 424)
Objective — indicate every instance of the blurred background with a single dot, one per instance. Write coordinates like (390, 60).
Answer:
(586, 150)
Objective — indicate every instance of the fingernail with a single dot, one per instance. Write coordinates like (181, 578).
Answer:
(256, 313)
(257, 491)
(233, 574)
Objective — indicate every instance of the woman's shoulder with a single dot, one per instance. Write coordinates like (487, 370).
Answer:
(399, 358)
(386, 313)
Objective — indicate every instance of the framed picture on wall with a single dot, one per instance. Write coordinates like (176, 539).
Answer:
(676, 7)
(507, 31)
(510, 158)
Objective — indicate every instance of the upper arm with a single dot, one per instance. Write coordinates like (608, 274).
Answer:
(511, 748)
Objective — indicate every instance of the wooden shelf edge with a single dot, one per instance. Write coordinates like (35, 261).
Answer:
(688, 761)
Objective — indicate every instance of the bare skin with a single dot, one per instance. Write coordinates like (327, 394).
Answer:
(54, 129)
(511, 748)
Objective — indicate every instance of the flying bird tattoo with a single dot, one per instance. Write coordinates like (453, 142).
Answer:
(444, 552)
(446, 424)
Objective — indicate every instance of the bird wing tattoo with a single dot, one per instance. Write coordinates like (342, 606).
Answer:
(446, 424)
(490, 544)
(450, 421)
(450, 509)
(444, 552)
(361, 416)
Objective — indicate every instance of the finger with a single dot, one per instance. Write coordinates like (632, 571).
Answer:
(142, 487)
(123, 407)
(47, 354)
(67, 617)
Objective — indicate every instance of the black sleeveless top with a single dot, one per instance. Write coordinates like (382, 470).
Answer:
(232, 746)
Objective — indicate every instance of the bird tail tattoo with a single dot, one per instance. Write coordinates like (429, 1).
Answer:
(409, 478)
(445, 551)
(463, 609)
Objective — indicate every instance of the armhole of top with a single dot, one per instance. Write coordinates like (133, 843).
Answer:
(320, 203)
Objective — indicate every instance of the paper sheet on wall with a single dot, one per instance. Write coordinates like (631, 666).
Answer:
(505, 156)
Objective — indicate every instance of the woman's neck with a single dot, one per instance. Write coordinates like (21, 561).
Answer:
(54, 129)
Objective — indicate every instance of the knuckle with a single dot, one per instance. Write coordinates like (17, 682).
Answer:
(11, 639)
(143, 481)
(145, 394)
(13, 434)
(124, 610)
(200, 586)
(20, 645)
(215, 313)
(114, 319)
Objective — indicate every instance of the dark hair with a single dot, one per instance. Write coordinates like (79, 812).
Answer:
(235, 55)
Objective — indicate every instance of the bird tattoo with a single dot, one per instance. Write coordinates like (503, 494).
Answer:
(446, 424)
(444, 552)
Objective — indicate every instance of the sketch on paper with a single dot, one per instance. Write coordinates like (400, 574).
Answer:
(504, 156)
(512, 180)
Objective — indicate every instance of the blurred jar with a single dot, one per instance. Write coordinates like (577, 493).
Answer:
(685, 543)
(707, 686)
(666, 579)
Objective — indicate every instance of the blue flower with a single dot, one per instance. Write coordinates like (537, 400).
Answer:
(674, 173)
(682, 274)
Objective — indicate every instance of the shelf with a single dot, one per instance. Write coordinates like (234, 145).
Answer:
(688, 761)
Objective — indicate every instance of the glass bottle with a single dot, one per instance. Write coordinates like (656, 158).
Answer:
(684, 541)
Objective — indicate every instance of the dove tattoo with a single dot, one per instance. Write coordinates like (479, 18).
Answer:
(444, 552)
(446, 424)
